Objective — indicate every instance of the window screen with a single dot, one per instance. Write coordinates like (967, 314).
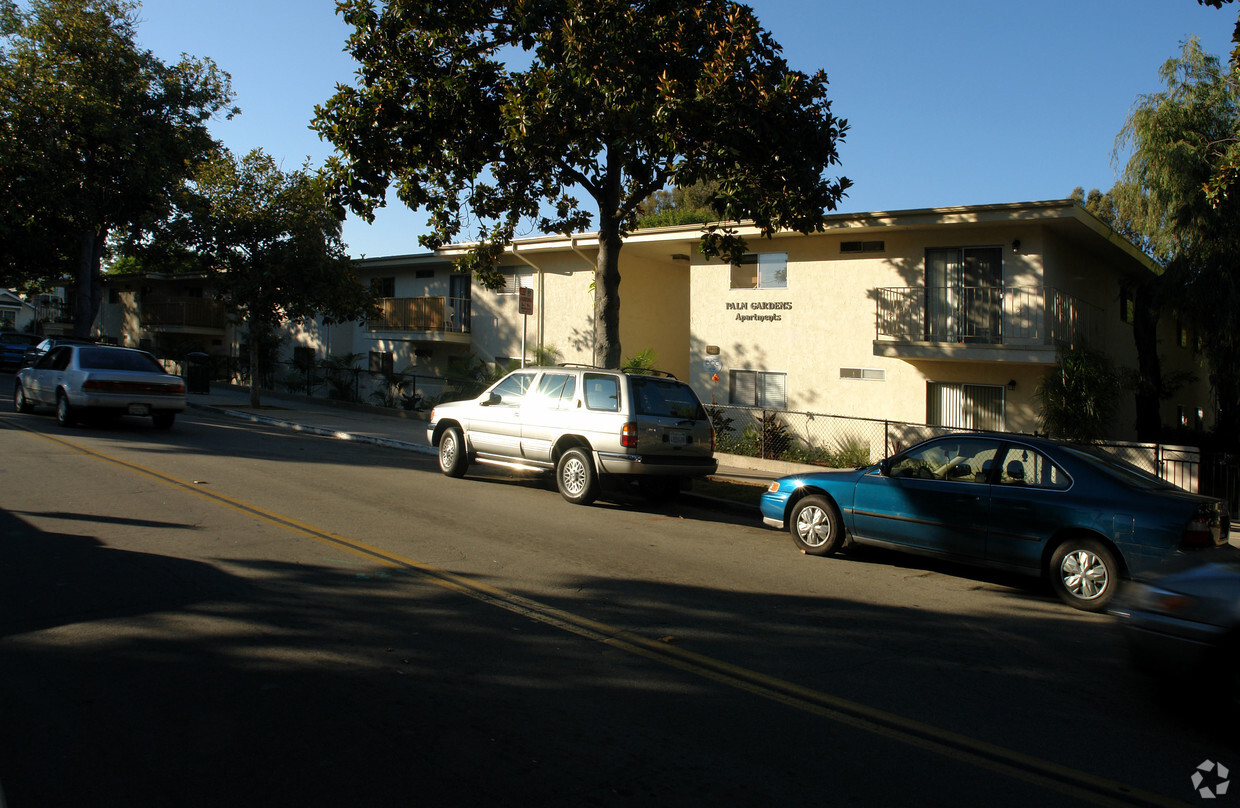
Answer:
(758, 388)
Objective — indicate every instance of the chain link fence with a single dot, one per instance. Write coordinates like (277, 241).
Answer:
(837, 441)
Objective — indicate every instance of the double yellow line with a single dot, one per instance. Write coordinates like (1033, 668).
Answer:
(1027, 768)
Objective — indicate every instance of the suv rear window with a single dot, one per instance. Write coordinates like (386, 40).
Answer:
(662, 398)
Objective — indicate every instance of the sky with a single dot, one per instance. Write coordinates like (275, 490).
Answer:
(962, 102)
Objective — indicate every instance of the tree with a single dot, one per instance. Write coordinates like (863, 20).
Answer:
(1178, 139)
(95, 136)
(1077, 398)
(273, 245)
(678, 206)
(489, 113)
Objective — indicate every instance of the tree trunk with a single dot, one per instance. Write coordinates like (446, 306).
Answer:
(89, 291)
(1149, 368)
(254, 327)
(607, 274)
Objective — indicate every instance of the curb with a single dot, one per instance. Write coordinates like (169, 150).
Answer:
(320, 431)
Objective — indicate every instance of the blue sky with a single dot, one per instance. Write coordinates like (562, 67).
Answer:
(953, 103)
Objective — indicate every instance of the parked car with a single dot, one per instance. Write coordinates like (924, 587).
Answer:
(1073, 514)
(39, 350)
(13, 347)
(1185, 622)
(595, 428)
(81, 380)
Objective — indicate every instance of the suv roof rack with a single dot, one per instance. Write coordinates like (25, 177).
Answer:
(630, 371)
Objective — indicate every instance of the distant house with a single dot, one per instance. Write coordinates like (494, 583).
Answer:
(15, 314)
(170, 314)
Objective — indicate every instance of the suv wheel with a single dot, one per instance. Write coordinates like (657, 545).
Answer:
(575, 477)
(452, 459)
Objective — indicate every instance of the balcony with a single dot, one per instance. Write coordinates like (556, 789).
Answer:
(182, 315)
(988, 323)
(429, 318)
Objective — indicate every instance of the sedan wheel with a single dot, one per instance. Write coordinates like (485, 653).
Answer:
(1084, 574)
(65, 415)
(815, 526)
(20, 402)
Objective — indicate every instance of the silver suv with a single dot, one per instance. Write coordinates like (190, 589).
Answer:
(592, 427)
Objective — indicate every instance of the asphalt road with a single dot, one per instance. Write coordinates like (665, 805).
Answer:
(231, 614)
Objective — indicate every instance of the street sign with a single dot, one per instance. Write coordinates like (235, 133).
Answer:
(525, 303)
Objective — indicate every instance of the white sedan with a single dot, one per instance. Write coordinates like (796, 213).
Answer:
(80, 380)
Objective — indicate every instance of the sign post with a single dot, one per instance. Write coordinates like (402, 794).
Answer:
(525, 306)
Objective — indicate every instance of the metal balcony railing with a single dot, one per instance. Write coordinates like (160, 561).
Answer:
(992, 315)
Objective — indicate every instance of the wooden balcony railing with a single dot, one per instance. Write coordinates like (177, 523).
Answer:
(443, 314)
(183, 313)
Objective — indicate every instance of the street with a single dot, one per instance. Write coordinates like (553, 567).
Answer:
(234, 614)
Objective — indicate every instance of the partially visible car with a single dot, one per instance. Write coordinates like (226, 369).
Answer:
(1184, 623)
(84, 380)
(595, 428)
(1073, 514)
(13, 347)
(36, 352)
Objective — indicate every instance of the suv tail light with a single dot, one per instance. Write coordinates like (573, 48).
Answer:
(1200, 530)
(628, 435)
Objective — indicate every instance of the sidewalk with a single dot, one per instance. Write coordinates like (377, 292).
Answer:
(399, 429)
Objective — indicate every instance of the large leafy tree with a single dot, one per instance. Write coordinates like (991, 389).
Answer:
(272, 243)
(96, 134)
(489, 114)
(1178, 141)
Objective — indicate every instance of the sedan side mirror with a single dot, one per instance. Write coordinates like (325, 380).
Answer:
(884, 466)
(492, 400)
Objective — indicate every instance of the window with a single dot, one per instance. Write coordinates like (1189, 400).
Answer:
(1023, 466)
(511, 391)
(965, 406)
(515, 280)
(1127, 306)
(961, 460)
(869, 374)
(383, 287)
(862, 246)
(664, 398)
(602, 392)
(8, 320)
(303, 357)
(556, 390)
(758, 388)
(381, 362)
(761, 271)
(423, 274)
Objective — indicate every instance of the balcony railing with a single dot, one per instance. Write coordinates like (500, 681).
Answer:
(990, 315)
(440, 314)
(183, 313)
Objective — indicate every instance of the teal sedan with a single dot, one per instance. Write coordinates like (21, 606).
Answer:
(1073, 514)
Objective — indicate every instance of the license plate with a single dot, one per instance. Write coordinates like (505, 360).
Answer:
(677, 438)
(139, 409)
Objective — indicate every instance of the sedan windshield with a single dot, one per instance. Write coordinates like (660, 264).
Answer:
(110, 359)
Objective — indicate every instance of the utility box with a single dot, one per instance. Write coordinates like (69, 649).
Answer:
(197, 373)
